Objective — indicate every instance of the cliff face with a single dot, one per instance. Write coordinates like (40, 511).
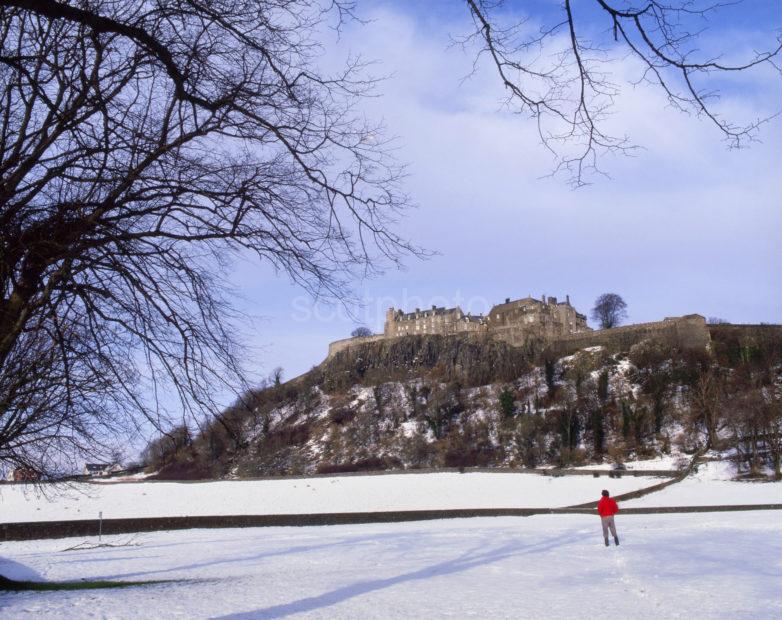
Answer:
(471, 361)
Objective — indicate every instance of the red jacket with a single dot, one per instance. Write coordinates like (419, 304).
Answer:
(607, 507)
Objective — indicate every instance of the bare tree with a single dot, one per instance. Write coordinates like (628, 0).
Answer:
(771, 417)
(609, 311)
(558, 72)
(276, 377)
(707, 399)
(360, 332)
(143, 145)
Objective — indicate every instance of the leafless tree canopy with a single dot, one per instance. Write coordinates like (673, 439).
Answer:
(609, 311)
(559, 72)
(141, 145)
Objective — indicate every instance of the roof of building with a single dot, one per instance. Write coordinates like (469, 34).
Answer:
(512, 303)
(433, 311)
(96, 466)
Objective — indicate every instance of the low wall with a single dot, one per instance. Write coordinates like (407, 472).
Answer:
(69, 529)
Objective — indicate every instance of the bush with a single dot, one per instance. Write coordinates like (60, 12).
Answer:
(186, 470)
(288, 436)
(469, 456)
(369, 464)
(341, 415)
(617, 452)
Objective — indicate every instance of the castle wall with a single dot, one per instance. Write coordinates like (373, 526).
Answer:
(340, 345)
(687, 332)
(536, 322)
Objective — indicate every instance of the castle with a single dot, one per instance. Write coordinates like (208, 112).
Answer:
(557, 325)
(515, 322)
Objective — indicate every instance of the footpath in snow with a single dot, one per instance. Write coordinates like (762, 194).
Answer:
(715, 565)
(309, 495)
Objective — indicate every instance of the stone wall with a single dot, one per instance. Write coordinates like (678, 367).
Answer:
(687, 332)
(340, 345)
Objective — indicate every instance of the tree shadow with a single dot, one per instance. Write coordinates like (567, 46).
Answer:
(253, 557)
(475, 557)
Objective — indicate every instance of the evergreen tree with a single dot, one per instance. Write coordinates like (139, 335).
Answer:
(598, 431)
(602, 386)
(507, 403)
(627, 417)
(550, 370)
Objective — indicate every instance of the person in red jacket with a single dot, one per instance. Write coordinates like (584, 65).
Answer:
(607, 508)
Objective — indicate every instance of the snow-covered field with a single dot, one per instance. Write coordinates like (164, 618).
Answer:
(715, 565)
(712, 485)
(310, 495)
(667, 462)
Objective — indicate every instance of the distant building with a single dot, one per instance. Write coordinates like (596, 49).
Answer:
(95, 470)
(23, 474)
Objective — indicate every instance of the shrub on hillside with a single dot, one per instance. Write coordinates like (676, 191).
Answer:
(341, 415)
(369, 464)
(287, 436)
(186, 470)
(507, 403)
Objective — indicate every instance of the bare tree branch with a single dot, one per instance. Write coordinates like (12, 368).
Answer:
(558, 75)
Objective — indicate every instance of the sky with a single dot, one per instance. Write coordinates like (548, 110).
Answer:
(686, 225)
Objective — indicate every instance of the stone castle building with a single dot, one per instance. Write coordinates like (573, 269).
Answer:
(557, 325)
(513, 321)
(516, 322)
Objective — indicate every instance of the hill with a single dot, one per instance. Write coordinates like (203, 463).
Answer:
(443, 401)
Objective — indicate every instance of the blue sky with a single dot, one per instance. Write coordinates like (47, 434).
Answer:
(686, 225)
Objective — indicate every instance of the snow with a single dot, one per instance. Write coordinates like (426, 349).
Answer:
(128, 478)
(308, 495)
(712, 485)
(668, 462)
(716, 565)
(409, 428)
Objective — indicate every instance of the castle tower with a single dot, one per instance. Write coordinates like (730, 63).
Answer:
(389, 329)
